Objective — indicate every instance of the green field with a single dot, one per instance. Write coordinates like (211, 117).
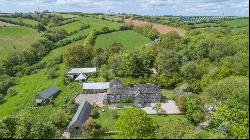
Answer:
(59, 51)
(72, 26)
(98, 24)
(16, 37)
(28, 87)
(237, 23)
(27, 21)
(129, 39)
(81, 33)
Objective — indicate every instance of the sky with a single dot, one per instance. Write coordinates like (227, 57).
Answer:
(142, 7)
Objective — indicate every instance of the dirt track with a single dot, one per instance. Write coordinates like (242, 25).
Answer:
(162, 29)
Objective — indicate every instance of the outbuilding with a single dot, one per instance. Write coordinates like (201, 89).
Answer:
(81, 116)
(45, 95)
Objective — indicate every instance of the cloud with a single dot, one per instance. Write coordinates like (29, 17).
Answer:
(179, 7)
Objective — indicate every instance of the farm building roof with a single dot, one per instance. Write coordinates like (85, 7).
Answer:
(82, 113)
(148, 88)
(81, 77)
(81, 70)
(100, 85)
(51, 91)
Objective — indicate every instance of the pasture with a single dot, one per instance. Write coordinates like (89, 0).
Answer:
(71, 26)
(129, 39)
(98, 24)
(16, 37)
(24, 20)
(29, 86)
(237, 23)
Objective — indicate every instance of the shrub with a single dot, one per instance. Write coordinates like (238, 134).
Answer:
(11, 91)
(95, 111)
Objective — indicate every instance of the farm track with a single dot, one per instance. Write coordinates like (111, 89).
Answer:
(162, 29)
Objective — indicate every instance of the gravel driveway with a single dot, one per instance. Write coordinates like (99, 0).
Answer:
(91, 98)
(170, 108)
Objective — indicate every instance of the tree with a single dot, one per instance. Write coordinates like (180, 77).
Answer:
(95, 111)
(106, 73)
(232, 117)
(40, 27)
(219, 91)
(91, 128)
(134, 123)
(78, 56)
(24, 125)
(8, 127)
(43, 130)
(195, 111)
(159, 110)
(176, 129)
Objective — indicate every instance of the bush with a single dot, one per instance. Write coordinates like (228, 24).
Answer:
(115, 115)
(95, 111)
(11, 91)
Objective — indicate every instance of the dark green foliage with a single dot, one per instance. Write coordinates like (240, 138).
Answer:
(91, 129)
(5, 83)
(195, 111)
(95, 111)
(40, 27)
(134, 123)
(176, 129)
(78, 56)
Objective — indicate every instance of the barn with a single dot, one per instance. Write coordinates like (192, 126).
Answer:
(45, 95)
(82, 114)
(99, 87)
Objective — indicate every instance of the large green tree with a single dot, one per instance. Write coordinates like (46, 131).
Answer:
(135, 123)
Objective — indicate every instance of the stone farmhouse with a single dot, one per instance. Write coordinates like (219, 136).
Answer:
(139, 93)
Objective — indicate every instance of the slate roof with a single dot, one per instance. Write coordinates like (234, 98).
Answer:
(148, 88)
(51, 91)
(82, 76)
(81, 70)
(115, 83)
(82, 113)
(123, 90)
(100, 85)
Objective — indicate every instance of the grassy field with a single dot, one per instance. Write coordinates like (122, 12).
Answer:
(28, 87)
(72, 26)
(129, 39)
(98, 24)
(237, 23)
(81, 33)
(16, 37)
(27, 21)
(59, 51)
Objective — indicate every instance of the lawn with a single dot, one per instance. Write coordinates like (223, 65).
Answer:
(16, 37)
(161, 119)
(129, 39)
(237, 23)
(167, 94)
(29, 86)
(98, 24)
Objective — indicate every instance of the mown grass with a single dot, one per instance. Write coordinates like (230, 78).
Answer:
(98, 24)
(16, 37)
(129, 39)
